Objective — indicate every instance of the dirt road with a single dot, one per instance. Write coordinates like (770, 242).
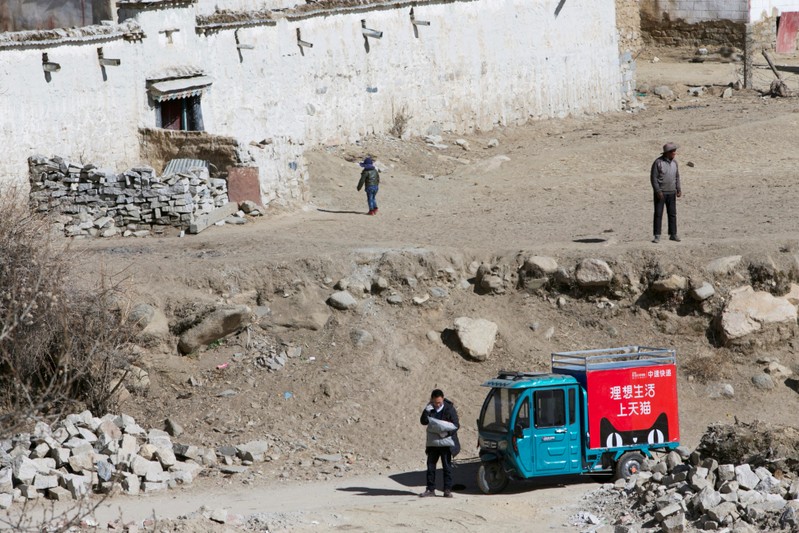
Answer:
(386, 502)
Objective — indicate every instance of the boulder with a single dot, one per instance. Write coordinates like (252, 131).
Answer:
(539, 266)
(748, 311)
(763, 381)
(664, 91)
(342, 300)
(723, 265)
(138, 380)
(254, 451)
(361, 337)
(672, 283)
(304, 310)
(150, 321)
(215, 326)
(477, 336)
(593, 273)
(702, 291)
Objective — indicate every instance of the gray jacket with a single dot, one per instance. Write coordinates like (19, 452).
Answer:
(665, 175)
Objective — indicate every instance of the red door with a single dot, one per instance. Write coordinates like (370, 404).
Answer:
(171, 114)
(786, 34)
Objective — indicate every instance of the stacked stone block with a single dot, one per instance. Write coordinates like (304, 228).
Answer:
(88, 201)
(83, 454)
(681, 491)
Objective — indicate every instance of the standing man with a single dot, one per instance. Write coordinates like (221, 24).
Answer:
(371, 178)
(441, 420)
(665, 178)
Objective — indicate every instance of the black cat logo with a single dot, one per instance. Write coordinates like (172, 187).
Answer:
(657, 434)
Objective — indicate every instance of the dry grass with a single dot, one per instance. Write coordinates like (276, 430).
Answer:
(61, 345)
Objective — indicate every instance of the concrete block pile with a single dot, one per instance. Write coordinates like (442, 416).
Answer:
(88, 201)
(678, 493)
(83, 454)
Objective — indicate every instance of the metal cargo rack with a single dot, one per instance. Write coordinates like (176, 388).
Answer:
(513, 375)
(612, 358)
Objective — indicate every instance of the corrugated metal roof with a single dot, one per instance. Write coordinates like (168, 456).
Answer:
(179, 71)
(180, 88)
(177, 166)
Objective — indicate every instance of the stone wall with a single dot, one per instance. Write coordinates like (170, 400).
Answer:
(87, 201)
(628, 24)
(666, 32)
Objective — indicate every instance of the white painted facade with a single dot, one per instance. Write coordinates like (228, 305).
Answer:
(479, 64)
(694, 11)
(763, 9)
(206, 7)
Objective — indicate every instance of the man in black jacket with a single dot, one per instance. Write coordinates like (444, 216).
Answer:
(441, 420)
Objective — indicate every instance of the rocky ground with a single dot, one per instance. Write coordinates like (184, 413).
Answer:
(334, 387)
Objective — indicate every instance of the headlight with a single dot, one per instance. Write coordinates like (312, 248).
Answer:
(486, 444)
(503, 445)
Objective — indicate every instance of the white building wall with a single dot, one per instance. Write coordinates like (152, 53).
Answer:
(76, 114)
(763, 9)
(207, 7)
(693, 11)
(478, 64)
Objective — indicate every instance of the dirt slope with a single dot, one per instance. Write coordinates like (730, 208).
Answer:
(572, 188)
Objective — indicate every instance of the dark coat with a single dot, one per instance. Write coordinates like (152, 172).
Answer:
(369, 177)
(449, 414)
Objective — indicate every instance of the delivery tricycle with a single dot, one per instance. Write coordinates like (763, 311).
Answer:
(597, 412)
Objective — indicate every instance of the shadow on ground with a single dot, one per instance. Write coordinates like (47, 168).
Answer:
(341, 212)
(464, 476)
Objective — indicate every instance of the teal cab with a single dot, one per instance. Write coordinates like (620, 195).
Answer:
(597, 412)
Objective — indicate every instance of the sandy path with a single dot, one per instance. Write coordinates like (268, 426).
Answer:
(373, 503)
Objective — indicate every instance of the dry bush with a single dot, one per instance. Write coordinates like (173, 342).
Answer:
(400, 121)
(706, 368)
(61, 345)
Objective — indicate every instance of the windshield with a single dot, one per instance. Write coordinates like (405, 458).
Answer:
(497, 409)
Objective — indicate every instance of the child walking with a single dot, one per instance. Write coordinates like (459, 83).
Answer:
(371, 178)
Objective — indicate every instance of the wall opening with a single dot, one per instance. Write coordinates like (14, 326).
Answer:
(180, 114)
(22, 15)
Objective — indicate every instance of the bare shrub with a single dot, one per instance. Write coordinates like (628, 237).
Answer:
(62, 346)
(399, 121)
(706, 368)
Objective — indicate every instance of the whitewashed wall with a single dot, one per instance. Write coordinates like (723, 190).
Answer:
(762, 9)
(693, 11)
(479, 64)
(76, 114)
(206, 7)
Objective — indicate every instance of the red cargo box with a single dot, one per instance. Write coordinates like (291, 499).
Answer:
(631, 393)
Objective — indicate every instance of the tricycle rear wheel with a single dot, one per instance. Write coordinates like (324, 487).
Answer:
(492, 478)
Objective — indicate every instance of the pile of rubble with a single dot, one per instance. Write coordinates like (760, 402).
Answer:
(683, 491)
(88, 201)
(84, 454)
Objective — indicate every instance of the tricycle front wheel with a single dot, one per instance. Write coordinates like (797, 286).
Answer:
(492, 478)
